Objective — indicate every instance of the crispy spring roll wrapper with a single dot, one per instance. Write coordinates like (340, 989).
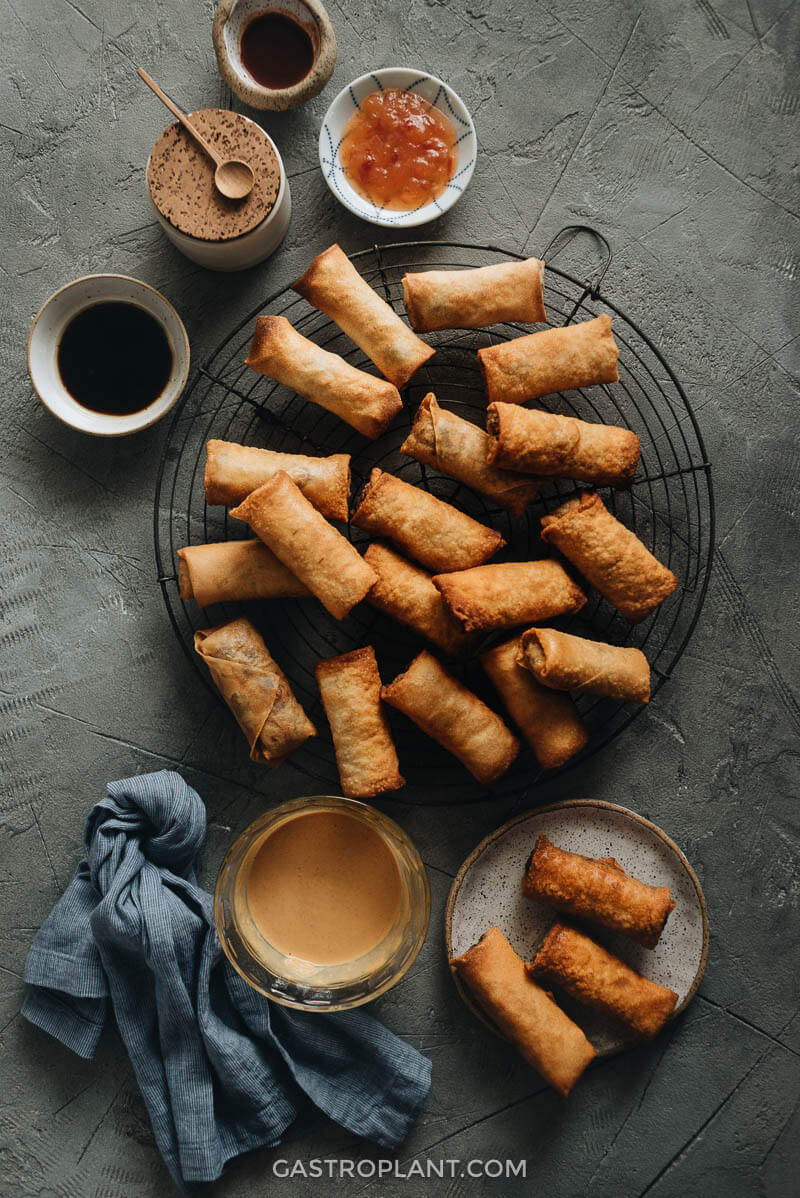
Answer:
(233, 471)
(609, 555)
(576, 355)
(406, 592)
(572, 663)
(553, 446)
(597, 889)
(506, 594)
(459, 448)
(546, 718)
(450, 714)
(536, 1026)
(434, 532)
(278, 351)
(333, 285)
(255, 688)
(315, 552)
(234, 570)
(350, 687)
(473, 299)
(595, 977)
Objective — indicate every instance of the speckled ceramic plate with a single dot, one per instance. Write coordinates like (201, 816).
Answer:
(488, 890)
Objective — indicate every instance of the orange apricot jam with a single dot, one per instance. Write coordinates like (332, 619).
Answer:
(397, 151)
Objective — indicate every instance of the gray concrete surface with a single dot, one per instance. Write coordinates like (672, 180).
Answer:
(674, 127)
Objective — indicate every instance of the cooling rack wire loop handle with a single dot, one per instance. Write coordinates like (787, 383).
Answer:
(570, 232)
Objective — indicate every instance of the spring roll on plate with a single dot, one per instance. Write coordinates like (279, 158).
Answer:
(609, 555)
(350, 687)
(450, 714)
(546, 718)
(459, 448)
(233, 471)
(333, 285)
(234, 570)
(576, 355)
(406, 592)
(553, 446)
(434, 532)
(597, 889)
(598, 979)
(573, 663)
(473, 299)
(527, 1015)
(311, 548)
(255, 688)
(278, 351)
(509, 593)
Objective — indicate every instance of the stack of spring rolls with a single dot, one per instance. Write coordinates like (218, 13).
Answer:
(429, 566)
(508, 989)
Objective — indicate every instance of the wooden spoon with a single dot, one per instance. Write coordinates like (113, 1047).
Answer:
(232, 177)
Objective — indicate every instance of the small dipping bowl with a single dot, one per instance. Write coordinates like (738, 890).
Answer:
(299, 983)
(230, 21)
(45, 338)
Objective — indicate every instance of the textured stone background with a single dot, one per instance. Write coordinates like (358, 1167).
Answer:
(673, 126)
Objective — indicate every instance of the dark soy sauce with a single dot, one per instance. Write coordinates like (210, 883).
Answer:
(114, 358)
(276, 51)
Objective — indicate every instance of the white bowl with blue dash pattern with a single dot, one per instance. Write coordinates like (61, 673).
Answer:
(441, 97)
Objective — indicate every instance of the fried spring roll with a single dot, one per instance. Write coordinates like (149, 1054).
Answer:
(595, 977)
(572, 663)
(597, 889)
(234, 570)
(450, 714)
(315, 552)
(609, 555)
(367, 403)
(552, 446)
(576, 355)
(430, 530)
(546, 718)
(255, 688)
(233, 471)
(538, 1028)
(473, 299)
(459, 448)
(406, 592)
(333, 285)
(509, 593)
(350, 687)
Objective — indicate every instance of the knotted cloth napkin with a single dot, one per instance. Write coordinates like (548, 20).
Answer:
(221, 1069)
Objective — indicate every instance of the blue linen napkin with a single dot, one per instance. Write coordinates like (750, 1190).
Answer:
(221, 1069)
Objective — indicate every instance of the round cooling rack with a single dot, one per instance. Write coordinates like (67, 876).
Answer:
(670, 506)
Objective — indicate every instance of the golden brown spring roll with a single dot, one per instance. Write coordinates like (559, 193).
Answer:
(595, 977)
(333, 285)
(509, 593)
(609, 555)
(576, 355)
(546, 718)
(430, 530)
(350, 687)
(597, 889)
(572, 663)
(552, 446)
(538, 1028)
(307, 544)
(234, 570)
(450, 714)
(233, 471)
(406, 592)
(367, 403)
(473, 299)
(255, 688)
(459, 448)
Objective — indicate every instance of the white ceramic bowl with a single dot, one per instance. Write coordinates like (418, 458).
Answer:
(47, 330)
(441, 97)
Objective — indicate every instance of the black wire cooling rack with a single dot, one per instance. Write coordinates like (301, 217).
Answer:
(670, 506)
